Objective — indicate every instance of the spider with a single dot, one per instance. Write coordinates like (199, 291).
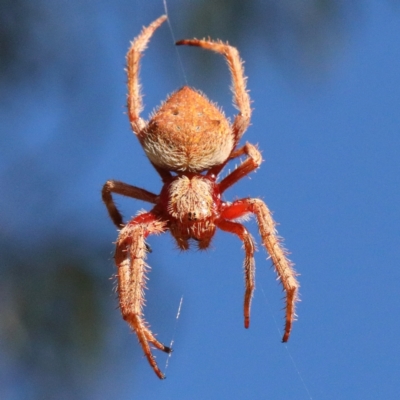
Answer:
(189, 141)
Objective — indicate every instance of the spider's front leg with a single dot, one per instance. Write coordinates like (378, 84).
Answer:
(130, 257)
(249, 266)
(283, 266)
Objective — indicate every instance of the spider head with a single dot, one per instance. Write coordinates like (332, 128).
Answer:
(191, 203)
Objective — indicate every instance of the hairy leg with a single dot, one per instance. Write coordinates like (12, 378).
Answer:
(125, 190)
(249, 266)
(134, 98)
(272, 243)
(130, 257)
(133, 57)
(240, 95)
(250, 164)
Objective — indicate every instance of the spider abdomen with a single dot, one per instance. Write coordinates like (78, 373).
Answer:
(187, 133)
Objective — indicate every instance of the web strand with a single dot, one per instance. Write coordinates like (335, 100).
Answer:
(186, 83)
(287, 349)
(174, 332)
(174, 41)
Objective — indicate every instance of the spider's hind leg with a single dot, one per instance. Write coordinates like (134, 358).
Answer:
(133, 57)
(240, 95)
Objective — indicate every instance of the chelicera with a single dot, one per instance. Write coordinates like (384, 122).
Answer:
(189, 141)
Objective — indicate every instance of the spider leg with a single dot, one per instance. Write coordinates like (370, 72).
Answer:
(240, 95)
(125, 190)
(130, 257)
(134, 98)
(250, 164)
(249, 266)
(133, 57)
(272, 243)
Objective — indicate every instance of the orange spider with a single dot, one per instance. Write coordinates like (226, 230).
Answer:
(189, 141)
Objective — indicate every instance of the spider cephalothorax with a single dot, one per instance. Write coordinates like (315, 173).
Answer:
(189, 141)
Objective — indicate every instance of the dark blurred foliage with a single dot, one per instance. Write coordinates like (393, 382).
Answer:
(299, 35)
(308, 27)
(17, 21)
(51, 294)
(51, 321)
(52, 287)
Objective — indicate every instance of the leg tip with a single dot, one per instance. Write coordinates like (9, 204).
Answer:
(167, 349)
(160, 375)
(285, 338)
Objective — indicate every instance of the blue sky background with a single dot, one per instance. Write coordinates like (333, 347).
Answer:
(324, 78)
